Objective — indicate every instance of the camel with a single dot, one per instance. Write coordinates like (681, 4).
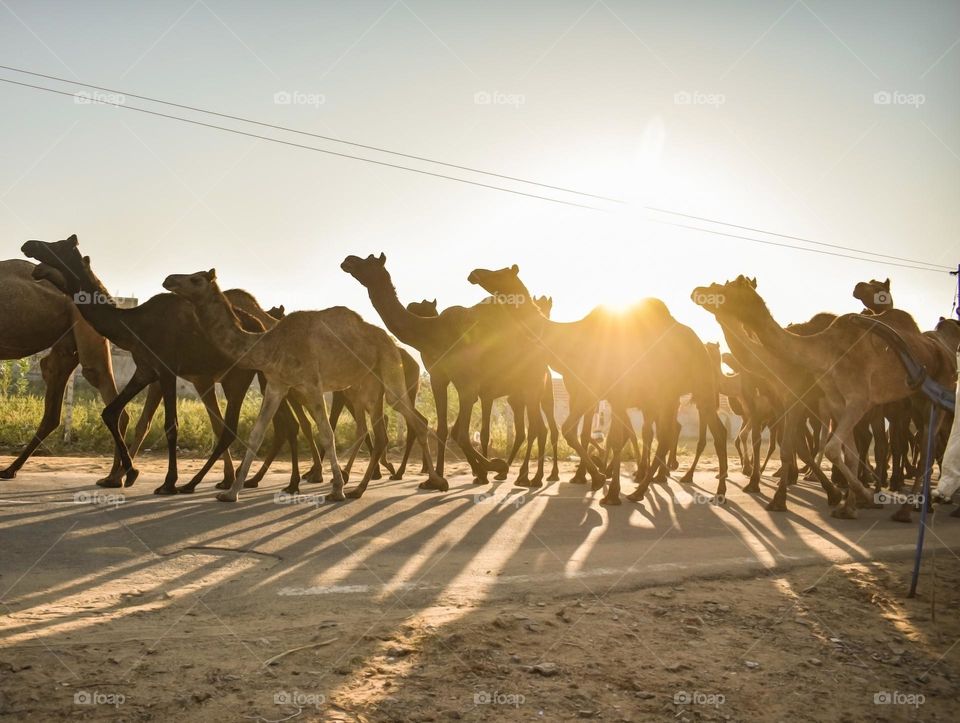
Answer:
(545, 303)
(306, 354)
(468, 347)
(37, 316)
(165, 339)
(856, 369)
(641, 358)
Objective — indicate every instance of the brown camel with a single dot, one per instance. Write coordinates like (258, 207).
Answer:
(641, 358)
(855, 368)
(37, 316)
(166, 341)
(465, 346)
(308, 353)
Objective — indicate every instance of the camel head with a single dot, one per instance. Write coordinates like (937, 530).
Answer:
(506, 289)
(738, 298)
(193, 287)
(62, 257)
(545, 304)
(423, 308)
(371, 271)
(277, 312)
(874, 295)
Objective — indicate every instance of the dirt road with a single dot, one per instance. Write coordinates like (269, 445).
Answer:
(475, 604)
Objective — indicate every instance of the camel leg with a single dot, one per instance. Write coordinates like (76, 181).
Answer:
(439, 386)
(903, 514)
(379, 447)
(280, 436)
(643, 462)
(532, 409)
(395, 395)
(701, 444)
(519, 436)
(150, 406)
(361, 421)
(756, 434)
(168, 386)
(616, 440)
(461, 435)
(272, 399)
(580, 442)
(719, 434)
(547, 405)
(112, 414)
(315, 474)
(57, 366)
(486, 409)
(286, 428)
(841, 449)
(407, 448)
(580, 474)
(99, 373)
(771, 449)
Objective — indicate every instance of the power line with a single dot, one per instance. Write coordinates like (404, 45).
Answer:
(313, 135)
(796, 238)
(303, 146)
(925, 266)
(797, 248)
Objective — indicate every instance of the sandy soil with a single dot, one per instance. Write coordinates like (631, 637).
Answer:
(822, 642)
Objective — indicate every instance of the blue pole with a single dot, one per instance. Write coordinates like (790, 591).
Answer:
(927, 467)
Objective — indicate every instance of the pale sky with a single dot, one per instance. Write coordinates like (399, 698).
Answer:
(783, 133)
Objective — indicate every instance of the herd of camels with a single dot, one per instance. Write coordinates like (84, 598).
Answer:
(834, 386)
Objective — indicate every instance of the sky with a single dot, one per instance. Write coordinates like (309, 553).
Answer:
(834, 122)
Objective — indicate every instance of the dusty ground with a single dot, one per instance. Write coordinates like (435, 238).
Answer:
(419, 606)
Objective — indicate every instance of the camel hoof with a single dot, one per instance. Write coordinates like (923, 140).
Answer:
(356, 493)
(396, 476)
(834, 498)
(11, 473)
(251, 484)
(109, 483)
(187, 489)
(902, 515)
(227, 496)
(554, 477)
(500, 476)
(610, 500)
(598, 483)
(752, 488)
(314, 476)
(290, 489)
(687, 478)
(165, 489)
(636, 496)
(476, 481)
(577, 481)
(337, 495)
(842, 512)
(377, 475)
(131, 477)
(776, 505)
(747, 471)
(438, 483)
(223, 485)
(498, 465)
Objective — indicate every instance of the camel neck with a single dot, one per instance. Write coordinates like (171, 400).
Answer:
(785, 346)
(99, 309)
(223, 329)
(417, 331)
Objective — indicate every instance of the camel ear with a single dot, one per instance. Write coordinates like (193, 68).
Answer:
(73, 240)
(86, 261)
(212, 275)
(753, 282)
(886, 284)
(382, 258)
(434, 303)
(515, 269)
